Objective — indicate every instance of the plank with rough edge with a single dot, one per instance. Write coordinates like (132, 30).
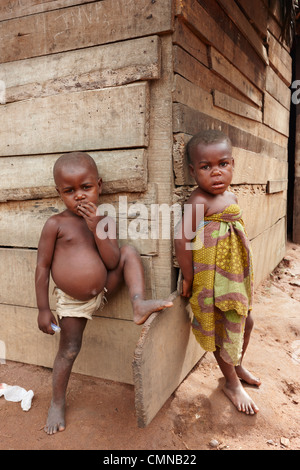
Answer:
(80, 26)
(160, 363)
(87, 120)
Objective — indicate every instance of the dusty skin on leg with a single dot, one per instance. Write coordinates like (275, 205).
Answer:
(69, 346)
(131, 271)
(241, 371)
(233, 388)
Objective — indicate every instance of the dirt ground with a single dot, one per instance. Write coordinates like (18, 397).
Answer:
(101, 413)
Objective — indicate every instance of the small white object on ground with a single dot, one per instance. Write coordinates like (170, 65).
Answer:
(16, 394)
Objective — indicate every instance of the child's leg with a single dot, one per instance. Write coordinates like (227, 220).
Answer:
(243, 373)
(233, 387)
(131, 271)
(69, 347)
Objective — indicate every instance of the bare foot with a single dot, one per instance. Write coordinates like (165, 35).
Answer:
(56, 419)
(142, 309)
(240, 399)
(247, 376)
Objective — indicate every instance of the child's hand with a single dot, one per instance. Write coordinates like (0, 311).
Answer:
(45, 318)
(89, 213)
(186, 288)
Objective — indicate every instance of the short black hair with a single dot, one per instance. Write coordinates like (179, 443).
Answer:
(206, 137)
(72, 158)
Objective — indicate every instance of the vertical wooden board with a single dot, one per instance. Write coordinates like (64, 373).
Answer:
(89, 120)
(165, 354)
(160, 160)
(81, 26)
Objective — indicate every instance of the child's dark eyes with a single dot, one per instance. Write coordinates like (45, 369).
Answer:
(71, 190)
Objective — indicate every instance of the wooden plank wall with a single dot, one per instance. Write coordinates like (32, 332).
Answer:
(233, 73)
(130, 82)
(81, 75)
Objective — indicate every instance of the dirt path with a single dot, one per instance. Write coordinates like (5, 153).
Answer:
(101, 414)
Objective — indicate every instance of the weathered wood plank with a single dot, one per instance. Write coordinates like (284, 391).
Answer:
(257, 13)
(85, 69)
(88, 120)
(277, 88)
(280, 59)
(276, 186)
(104, 353)
(260, 210)
(206, 26)
(82, 26)
(191, 43)
(15, 8)
(245, 27)
(31, 177)
(17, 272)
(207, 78)
(200, 99)
(165, 354)
(275, 115)
(228, 72)
(221, 100)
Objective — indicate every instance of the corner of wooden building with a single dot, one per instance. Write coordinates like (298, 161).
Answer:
(131, 89)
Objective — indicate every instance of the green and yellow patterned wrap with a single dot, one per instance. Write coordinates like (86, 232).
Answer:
(223, 283)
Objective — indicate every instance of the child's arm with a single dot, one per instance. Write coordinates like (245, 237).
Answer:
(42, 275)
(107, 243)
(183, 236)
(185, 260)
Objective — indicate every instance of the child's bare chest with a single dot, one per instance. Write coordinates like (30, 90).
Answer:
(75, 235)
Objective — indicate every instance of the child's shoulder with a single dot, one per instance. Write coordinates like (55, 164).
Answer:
(54, 220)
(197, 197)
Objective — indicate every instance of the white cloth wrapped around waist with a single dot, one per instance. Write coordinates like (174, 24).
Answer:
(67, 306)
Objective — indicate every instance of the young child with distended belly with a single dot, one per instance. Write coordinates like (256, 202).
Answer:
(85, 269)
